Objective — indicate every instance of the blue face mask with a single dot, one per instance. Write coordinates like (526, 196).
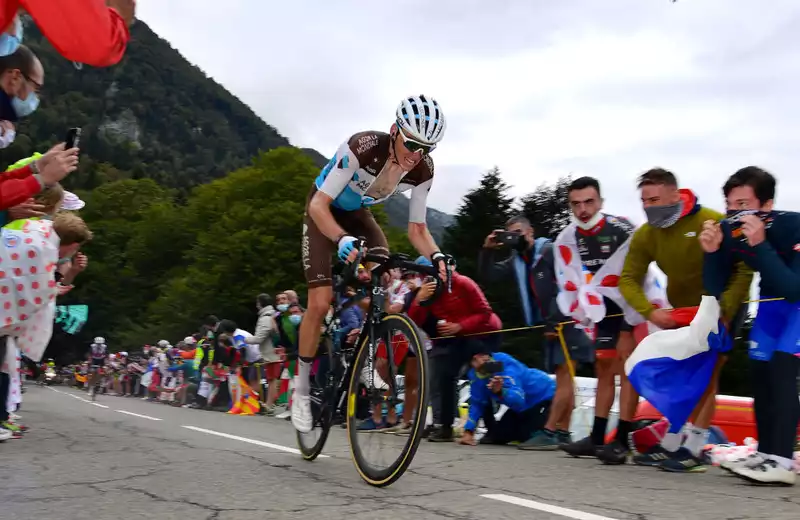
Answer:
(295, 319)
(9, 41)
(27, 106)
(283, 307)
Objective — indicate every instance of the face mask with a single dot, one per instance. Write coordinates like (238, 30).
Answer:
(735, 215)
(295, 319)
(9, 41)
(7, 138)
(591, 223)
(27, 106)
(664, 216)
(283, 307)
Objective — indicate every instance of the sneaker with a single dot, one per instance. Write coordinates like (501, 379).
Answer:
(286, 414)
(441, 434)
(582, 448)
(401, 428)
(14, 417)
(750, 461)
(13, 428)
(652, 457)
(682, 461)
(487, 439)
(270, 411)
(369, 425)
(21, 427)
(540, 441)
(302, 420)
(5, 435)
(768, 472)
(564, 437)
(613, 453)
(428, 430)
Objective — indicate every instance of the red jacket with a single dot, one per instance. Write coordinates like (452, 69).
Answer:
(86, 31)
(465, 305)
(17, 186)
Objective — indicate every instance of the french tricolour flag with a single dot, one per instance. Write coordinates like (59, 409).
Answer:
(672, 368)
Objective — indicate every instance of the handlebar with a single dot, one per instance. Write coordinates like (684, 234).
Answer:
(394, 261)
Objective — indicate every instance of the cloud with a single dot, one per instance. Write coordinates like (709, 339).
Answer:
(607, 88)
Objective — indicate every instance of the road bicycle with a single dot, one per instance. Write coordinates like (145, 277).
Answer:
(352, 380)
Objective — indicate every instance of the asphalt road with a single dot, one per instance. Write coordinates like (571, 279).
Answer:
(125, 458)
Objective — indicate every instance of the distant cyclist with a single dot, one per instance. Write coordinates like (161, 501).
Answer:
(367, 169)
(98, 354)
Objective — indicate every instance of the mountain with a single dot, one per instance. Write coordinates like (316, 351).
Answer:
(154, 115)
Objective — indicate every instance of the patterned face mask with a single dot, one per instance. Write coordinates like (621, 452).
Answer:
(664, 216)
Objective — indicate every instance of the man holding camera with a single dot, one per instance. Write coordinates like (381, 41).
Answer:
(531, 266)
(527, 392)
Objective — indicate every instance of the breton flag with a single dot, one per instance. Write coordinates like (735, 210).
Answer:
(672, 368)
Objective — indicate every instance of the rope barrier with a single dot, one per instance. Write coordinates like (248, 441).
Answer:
(572, 322)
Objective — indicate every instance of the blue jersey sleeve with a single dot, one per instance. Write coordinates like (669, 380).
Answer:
(339, 172)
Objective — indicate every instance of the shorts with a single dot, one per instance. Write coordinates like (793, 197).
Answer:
(317, 249)
(98, 362)
(579, 347)
(775, 329)
(608, 331)
(400, 349)
(271, 371)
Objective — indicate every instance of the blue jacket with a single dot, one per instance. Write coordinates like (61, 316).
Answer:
(523, 388)
(777, 259)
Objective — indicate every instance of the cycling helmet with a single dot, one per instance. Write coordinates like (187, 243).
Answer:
(190, 340)
(99, 340)
(422, 119)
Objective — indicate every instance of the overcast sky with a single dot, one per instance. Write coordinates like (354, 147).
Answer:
(540, 88)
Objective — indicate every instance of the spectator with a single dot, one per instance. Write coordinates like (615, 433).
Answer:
(460, 312)
(21, 78)
(767, 241)
(288, 331)
(500, 379)
(292, 296)
(94, 32)
(270, 360)
(673, 217)
(532, 267)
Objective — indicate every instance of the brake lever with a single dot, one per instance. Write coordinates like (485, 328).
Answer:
(450, 262)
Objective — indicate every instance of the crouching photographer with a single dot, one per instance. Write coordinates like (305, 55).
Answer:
(500, 379)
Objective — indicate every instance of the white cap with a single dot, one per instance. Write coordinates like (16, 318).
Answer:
(189, 340)
(71, 202)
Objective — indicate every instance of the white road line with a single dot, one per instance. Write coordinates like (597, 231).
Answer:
(54, 390)
(138, 415)
(97, 404)
(79, 398)
(547, 508)
(249, 441)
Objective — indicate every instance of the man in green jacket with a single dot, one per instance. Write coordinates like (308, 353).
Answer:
(670, 238)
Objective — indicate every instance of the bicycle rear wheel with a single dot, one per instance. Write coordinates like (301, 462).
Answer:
(391, 326)
(323, 402)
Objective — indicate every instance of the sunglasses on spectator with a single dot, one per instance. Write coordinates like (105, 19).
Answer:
(415, 146)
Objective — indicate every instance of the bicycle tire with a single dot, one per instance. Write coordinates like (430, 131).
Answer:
(323, 418)
(385, 477)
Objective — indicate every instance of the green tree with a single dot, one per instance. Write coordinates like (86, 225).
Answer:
(547, 208)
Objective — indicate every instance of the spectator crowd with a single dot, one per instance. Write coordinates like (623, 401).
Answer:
(42, 233)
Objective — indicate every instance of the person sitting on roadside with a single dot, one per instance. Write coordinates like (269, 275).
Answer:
(500, 379)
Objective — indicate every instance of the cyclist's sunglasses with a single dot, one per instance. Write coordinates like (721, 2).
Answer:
(415, 146)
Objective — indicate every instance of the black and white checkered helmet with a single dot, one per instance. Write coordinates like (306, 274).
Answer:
(422, 119)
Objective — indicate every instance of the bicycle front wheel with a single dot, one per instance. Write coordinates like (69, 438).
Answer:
(388, 382)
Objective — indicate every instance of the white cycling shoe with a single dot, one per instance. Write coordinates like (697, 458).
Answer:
(302, 419)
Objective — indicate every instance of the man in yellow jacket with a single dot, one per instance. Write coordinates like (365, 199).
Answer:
(671, 239)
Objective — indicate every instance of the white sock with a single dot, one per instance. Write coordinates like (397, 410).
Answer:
(687, 428)
(696, 441)
(783, 462)
(301, 382)
(671, 442)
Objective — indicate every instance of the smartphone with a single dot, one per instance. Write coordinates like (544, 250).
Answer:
(429, 279)
(492, 367)
(507, 238)
(73, 138)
